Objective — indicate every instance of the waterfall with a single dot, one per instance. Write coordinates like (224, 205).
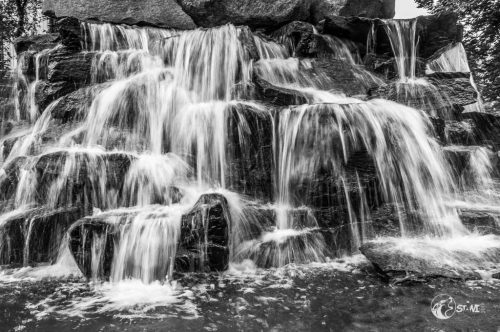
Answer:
(403, 37)
(323, 138)
(174, 119)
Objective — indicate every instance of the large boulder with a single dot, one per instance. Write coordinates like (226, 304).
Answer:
(439, 95)
(203, 243)
(162, 13)
(433, 32)
(254, 13)
(35, 235)
(409, 259)
(325, 74)
(486, 126)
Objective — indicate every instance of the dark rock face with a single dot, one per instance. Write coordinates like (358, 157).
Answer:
(205, 236)
(163, 13)
(437, 31)
(326, 73)
(250, 171)
(35, 236)
(397, 264)
(444, 97)
(483, 222)
(355, 29)
(256, 13)
(203, 245)
(82, 183)
(72, 106)
(460, 132)
(36, 43)
(277, 95)
(487, 126)
(303, 41)
(70, 33)
(88, 236)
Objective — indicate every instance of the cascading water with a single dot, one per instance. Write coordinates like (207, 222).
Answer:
(410, 89)
(173, 113)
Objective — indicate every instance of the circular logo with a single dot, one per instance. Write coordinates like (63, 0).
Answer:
(443, 306)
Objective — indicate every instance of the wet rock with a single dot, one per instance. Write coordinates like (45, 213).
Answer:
(35, 236)
(70, 32)
(443, 97)
(72, 107)
(387, 66)
(434, 32)
(162, 13)
(486, 125)
(247, 40)
(437, 31)
(327, 74)
(303, 41)
(484, 222)
(250, 172)
(460, 132)
(356, 29)
(461, 159)
(203, 244)
(83, 175)
(255, 14)
(36, 43)
(205, 236)
(417, 259)
(278, 96)
(66, 66)
(439, 126)
(47, 92)
(92, 244)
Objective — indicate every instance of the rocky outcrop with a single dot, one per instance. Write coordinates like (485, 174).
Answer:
(254, 13)
(250, 170)
(444, 96)
(203, 244)
(418, 259)
(162, 13)
(35, 235)
(486, 126)
(72, 107)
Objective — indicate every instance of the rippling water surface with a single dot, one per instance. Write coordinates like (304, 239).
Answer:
(341, 295)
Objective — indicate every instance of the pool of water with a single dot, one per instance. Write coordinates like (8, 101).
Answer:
(341, 295)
